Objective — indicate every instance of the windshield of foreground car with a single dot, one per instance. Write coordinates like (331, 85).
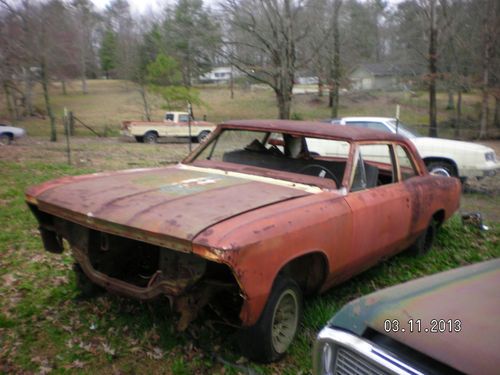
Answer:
(284, 152)
(403, 130)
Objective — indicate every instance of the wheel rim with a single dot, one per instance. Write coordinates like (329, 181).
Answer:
(440, 171)
(150, 138)
(203, 137)
(285, 321)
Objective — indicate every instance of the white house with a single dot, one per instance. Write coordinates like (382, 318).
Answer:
(219, 74)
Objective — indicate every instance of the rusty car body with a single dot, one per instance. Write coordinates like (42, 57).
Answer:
(445, 323)
(248, 222)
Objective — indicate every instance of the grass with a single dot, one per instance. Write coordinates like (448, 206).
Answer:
(45, 327)
(110, 102)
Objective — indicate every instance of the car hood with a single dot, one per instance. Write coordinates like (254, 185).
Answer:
(440, 144)
(175, 202)
(469, 294)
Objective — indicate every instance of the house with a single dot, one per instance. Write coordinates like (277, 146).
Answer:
(219, 75)
(380, 76)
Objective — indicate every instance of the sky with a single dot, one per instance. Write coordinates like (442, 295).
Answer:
(142, 6)
(137, 6)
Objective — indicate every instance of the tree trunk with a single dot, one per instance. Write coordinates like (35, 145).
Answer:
(45, 87)
(28, 87)
(335, 81)
(231, 83)
(284, 104)
(63, 87)
(8, 102)
(432, 71)
(451, 100)
(496, 118)
(147, 110)
(458, 117)
(484, 104)
(320, 87)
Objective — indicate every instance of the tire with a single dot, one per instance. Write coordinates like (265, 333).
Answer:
(86, 287)
(139, 139)
(440, 167)
(5, 139)
(203, 136)
(150, 137)
(270, 337)
(424, 242)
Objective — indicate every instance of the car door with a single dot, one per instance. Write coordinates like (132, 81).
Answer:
(380, 204)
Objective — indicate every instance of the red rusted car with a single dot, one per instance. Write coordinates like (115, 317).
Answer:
(261, 214)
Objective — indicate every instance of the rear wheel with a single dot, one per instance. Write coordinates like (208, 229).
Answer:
(203, 136)
(424, 242)
(150, 137)
(442, 167)
(270, 337)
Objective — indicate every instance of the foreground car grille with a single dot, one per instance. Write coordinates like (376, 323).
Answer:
(338, 352)
(348, 363)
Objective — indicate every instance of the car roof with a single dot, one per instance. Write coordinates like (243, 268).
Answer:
(367, 118)
(311, 128)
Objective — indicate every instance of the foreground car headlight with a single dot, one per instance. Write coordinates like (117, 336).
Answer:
(326, 360)
(490, 156)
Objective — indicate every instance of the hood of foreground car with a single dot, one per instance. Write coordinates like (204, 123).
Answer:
(177, 202)
(470, 295)
(441, 144)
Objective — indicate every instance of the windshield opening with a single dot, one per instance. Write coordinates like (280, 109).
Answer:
(254, 151)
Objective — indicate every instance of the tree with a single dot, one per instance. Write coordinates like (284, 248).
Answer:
(86, 19)
(165, 78)
(335, 72)
(107, 53)
(261, 42)
(191, 37)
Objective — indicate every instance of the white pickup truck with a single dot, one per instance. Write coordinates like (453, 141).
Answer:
(174, 124)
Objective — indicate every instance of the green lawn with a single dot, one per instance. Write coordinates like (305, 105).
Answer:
(44, 326)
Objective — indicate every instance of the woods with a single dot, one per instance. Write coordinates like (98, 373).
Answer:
(447, 46)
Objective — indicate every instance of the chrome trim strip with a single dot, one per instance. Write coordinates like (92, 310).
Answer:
(364, 348)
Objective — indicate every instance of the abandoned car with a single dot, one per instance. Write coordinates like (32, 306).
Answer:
(439, 324)
(249, 222)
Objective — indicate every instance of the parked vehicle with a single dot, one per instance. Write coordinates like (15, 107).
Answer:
(455, 158)
(9, 133)
(441, 324)
(249, 222)
(175, 124)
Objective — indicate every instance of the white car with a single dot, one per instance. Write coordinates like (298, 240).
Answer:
(9, 133)
(456, 158)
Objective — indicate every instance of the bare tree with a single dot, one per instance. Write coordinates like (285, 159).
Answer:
(262, 43)
(490, 34)
(335, 71)
(86, 20)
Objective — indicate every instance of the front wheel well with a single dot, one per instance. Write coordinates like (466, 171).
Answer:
(309, 271)
(446, 161)
(439, 217)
